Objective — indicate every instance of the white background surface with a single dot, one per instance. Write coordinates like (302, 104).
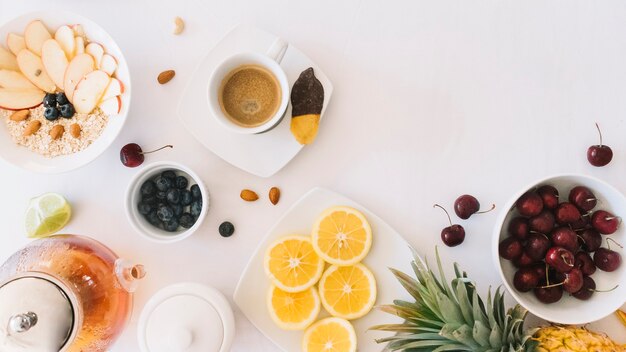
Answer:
(432, 99)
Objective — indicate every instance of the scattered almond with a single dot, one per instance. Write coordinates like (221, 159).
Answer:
(248, 195)
(57, 131)
(75, 130)
(32, 127)
(179, 25)
(274, 195)
(20, 115)
(166, 76)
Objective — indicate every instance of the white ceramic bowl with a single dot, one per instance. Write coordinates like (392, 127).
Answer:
(570, 310)
(24, 158)
(133, 196)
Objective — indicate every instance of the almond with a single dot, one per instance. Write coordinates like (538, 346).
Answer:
(166, 76)
(248, 195)
(274, 195)
(179, 25)
(56, 132)
(32, 127)
(20, 115)
(75, 130)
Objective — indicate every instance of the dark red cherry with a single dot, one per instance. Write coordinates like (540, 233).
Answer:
(542, 223)
(607, 259)
(566, 238)
(591, 240)
(518, 227)
(131, 154)
(566, 213)
(529, 204)
(452, 235)
(525, 279)
(583, 198)
(549, 294)
(599, 155)
(510, 248)
(523, 260)
(605, 222)
(573, 280)
(537, 246)
(587, 290)
(560, 259)
(549, 195)
(465, 206)
(584, 262)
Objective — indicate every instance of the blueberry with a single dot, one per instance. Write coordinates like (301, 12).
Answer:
(181, 182)
(161, 195)
(185, 197)
(178, 210)
(187, 220)
(51, 113)
(170, 174)
(152, 200)
(153, 218)
(61, 98)
(173, 196)
(163, 183)
(50, 100)
(196, 208)
(144, 208)
(148, 188)
(195, 192)
(165, 213)
(171, 226)
(227, 229)
(67, 110)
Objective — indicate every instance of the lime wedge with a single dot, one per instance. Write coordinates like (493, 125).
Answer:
(46, 215)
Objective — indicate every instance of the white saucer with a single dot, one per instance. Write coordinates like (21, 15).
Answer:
(261, 154)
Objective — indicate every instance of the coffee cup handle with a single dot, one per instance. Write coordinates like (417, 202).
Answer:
(278, 49)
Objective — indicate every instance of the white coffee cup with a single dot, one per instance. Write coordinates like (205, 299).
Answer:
(270, 61)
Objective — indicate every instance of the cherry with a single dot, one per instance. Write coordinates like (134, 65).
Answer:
(452, 235)
(605, 222)
(587, 290)
(560, 259)
(537, 246)
(518, 227)
(584, 262)
(525, 279)
(607, 259)
(466, 205)
(523, 260)
(583, 198)
(529, 204)
(566, 213)
(549, 195)
(542, 223)
(573, 280)
(582, 223)
(599, 155)
(591, 240)
(540, 269)
(566, 238)
(510, 248)
(548, 294)
(131, 154)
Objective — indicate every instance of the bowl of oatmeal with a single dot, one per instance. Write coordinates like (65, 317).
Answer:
(64, 91)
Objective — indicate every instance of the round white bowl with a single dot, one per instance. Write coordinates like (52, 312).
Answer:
(26, 159)
(570, 310)
(133, 196)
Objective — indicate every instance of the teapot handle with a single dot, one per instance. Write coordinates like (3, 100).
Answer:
(128, 274)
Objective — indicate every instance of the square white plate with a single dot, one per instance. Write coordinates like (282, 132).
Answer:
(389, 249)
(261, 154)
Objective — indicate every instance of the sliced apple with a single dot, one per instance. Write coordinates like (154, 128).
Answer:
(32, 67)
(14, 79)
(8, 60)
(111, 106)
(78, 30)
(89, 91)
(81, 65)
(16, 43)
(79, 46)
(114, 89)
(54, 61)
(20, 98)
(108, 64)
(65, 37)
(97, 51)
(35, 34)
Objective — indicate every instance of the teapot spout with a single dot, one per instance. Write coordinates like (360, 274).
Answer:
(128, 274)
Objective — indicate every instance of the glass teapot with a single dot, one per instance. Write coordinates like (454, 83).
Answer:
(65, 293)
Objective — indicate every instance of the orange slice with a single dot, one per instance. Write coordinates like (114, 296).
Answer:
(348, 292)
(292, 264)
(293, 311)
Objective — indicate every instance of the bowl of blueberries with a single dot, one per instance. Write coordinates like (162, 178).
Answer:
(166, 202)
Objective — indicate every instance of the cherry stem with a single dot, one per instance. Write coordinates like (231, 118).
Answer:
(616, 286)
(590, 199)
(493, 206)
(547, 275)
(582, 239)
(156, 150)
(442, 208)
(566, 261)
(540, 233)
(553, 285)
(600, 133)
(614, 241)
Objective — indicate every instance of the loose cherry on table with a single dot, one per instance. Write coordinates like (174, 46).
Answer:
(466, 205)
(599, 155)
(131, 154)
(452, 235)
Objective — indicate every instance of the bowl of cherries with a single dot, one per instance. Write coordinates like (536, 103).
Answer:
(558, 247)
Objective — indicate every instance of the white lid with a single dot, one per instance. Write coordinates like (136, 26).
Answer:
(186, 317)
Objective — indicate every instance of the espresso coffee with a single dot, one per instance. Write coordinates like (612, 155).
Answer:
(250, 95)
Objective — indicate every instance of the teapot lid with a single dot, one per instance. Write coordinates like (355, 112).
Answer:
(35, 315)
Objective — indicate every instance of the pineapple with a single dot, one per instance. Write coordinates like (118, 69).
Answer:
(453, 317)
